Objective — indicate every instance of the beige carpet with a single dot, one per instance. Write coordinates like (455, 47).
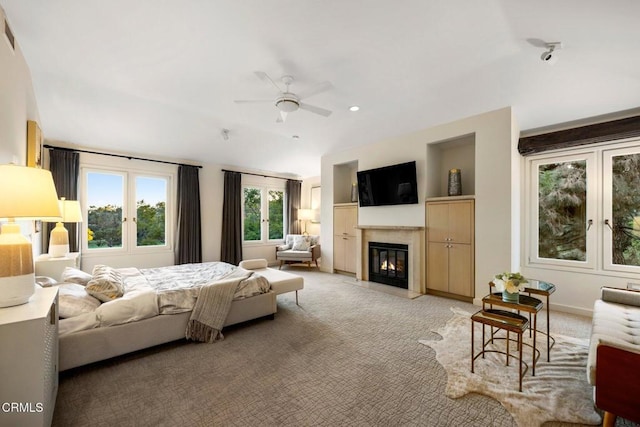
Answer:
(558, 392)
(347, 355)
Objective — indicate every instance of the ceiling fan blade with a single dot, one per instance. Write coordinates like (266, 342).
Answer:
(315, 109)
(282, 117)
(320, 87)
(251, 101)
(265, 78)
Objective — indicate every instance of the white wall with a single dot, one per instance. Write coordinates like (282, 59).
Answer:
(17, 105)
(496, 175)
(211, 198)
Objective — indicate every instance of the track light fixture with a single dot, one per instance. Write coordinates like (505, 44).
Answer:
(549, 56)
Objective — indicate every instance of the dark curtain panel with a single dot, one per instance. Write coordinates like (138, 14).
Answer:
(231, 247)
(188, 233)
(294, 192)
(65, 168)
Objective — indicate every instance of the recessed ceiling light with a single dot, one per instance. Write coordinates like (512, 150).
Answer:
(354, 108)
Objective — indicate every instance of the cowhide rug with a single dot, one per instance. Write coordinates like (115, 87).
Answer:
(558, 392)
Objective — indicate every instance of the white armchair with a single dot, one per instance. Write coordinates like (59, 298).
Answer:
(298, 248)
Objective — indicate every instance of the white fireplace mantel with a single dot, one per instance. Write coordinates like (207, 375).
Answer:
(412, 236)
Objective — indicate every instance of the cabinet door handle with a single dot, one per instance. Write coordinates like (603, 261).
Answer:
(52, 314)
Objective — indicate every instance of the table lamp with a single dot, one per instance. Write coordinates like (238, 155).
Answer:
(59, 238)
(27, 193)
(305, 215)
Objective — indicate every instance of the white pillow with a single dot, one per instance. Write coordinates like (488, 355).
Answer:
(74, 275)
(73, 300)
(107, 283)
(45, 281)
(133, 306)
(301, 243)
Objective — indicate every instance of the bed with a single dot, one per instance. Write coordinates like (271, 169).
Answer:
(152, 311)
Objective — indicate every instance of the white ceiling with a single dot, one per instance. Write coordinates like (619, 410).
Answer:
(159, 77)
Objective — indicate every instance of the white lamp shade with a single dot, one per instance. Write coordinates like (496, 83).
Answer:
(305, 214)
(27, 193)
(69, 212)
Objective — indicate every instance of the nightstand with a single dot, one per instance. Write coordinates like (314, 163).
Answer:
(29, 360)
(53, 267)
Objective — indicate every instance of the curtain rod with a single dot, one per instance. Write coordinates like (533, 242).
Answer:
(258, 174)
(118, 155)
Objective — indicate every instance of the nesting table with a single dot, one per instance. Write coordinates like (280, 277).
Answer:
(527, 304)
(509, 321)
(538, 287)
(505, 320)
(545, 289)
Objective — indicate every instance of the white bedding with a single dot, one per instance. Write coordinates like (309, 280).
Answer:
(164, 290)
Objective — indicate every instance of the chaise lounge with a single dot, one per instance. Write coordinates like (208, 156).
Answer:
(613, 367)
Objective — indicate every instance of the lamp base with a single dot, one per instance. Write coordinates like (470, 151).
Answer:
(58, 251)
(16, 290)
(17, 281)
(59, 241)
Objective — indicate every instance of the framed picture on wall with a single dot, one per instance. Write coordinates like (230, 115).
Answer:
(315, 204)
(34, 145)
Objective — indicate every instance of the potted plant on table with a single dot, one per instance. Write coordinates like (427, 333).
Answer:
(510, 284)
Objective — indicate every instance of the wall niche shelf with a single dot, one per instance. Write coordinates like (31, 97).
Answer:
(344, 175)
(455, 153)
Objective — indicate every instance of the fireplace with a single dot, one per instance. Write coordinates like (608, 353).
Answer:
(389, 264)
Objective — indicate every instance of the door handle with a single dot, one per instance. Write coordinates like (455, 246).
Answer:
(589, 224)
(608, 224)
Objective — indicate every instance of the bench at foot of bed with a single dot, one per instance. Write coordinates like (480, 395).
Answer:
(281, 281)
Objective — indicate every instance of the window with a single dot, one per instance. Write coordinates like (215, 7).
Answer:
(126, 210)
(585, 204)
(263, 214)
(621, 209)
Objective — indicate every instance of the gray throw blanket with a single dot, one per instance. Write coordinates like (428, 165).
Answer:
(212, 307)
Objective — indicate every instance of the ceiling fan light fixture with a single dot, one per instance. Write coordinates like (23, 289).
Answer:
(288, 105)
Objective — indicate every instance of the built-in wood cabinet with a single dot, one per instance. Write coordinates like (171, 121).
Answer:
(345, 221)
(29, 359)
(450, 247)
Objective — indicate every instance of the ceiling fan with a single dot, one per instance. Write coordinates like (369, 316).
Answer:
(287, 101)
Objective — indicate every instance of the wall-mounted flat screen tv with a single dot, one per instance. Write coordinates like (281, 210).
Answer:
(389, 185)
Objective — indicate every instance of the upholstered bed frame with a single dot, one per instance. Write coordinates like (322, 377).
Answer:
(84, 347)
